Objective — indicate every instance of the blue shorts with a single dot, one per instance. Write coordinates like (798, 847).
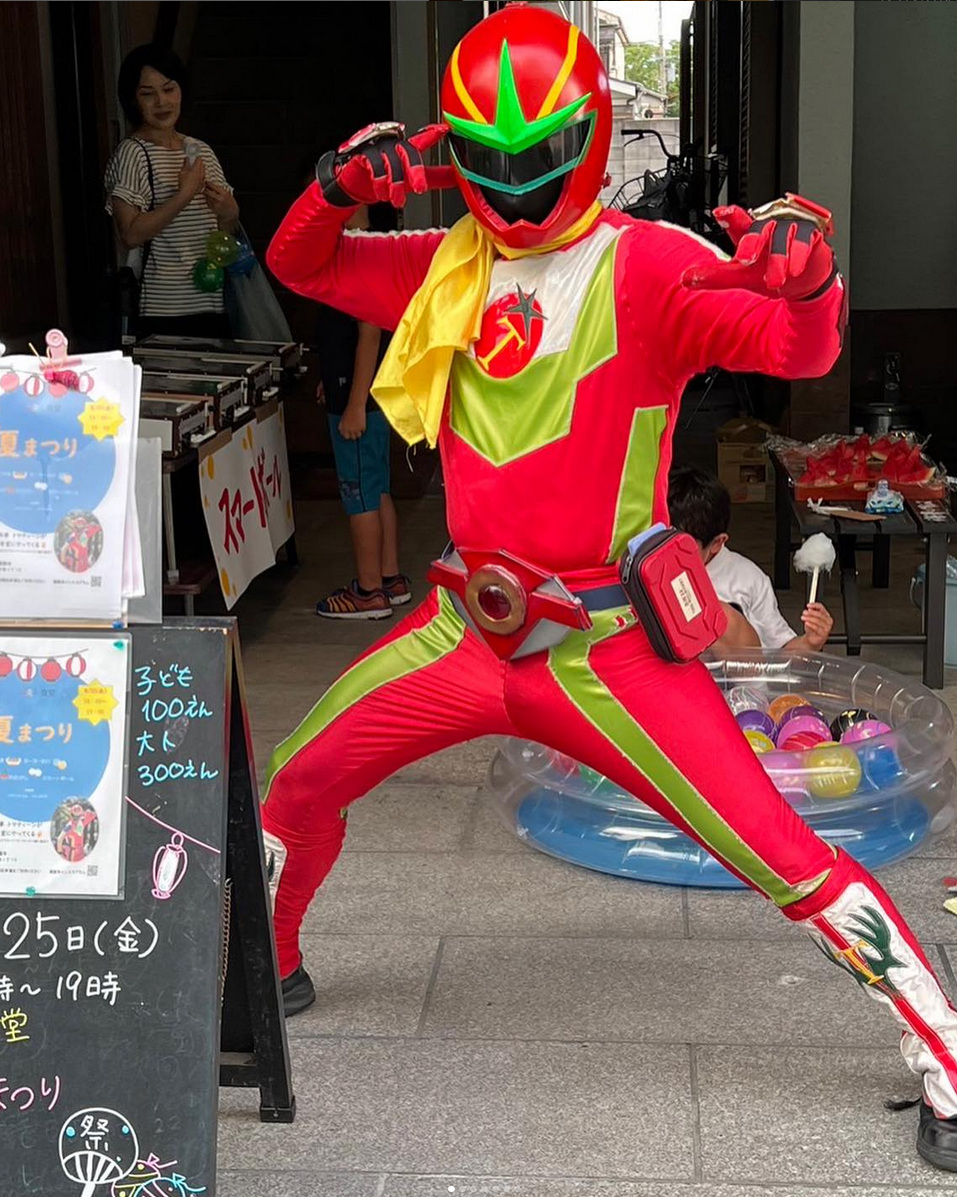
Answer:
(362, 465)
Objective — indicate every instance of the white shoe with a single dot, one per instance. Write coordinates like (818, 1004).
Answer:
(275, 863)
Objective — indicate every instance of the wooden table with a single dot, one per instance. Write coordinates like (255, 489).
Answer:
(930, 520)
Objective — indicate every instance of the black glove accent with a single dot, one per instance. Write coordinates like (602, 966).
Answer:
(332, 193)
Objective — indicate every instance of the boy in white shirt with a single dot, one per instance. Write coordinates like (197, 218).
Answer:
(701, 506)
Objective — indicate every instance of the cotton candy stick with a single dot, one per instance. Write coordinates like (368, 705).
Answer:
(815, 554)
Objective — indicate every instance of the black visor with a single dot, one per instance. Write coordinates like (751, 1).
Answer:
(513, 173)
(533, 206)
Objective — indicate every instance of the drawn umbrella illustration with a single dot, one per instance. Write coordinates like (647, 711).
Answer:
(97, 1147)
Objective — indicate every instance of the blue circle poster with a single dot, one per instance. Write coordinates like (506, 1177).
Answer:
(48, 466)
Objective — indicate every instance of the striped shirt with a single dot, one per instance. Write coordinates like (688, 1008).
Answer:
(167, 287)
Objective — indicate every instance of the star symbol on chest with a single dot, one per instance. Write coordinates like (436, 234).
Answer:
(525, 309)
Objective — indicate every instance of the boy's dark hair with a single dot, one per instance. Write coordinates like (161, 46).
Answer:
(698, 503)
(151, 55)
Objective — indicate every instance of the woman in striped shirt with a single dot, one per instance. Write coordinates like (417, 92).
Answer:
(166, 193)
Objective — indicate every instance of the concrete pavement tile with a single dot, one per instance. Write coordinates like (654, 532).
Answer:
(812, 1116)
(498, 1186)
(435, 894)
(297, 1184)
(399, 817)
(424, 1106)
(365, 984)
(649, 991)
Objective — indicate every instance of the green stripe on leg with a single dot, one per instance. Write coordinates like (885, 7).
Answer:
(572, 671)
(397, 659)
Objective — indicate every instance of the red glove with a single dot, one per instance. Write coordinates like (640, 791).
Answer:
(379, 164)
(780, 250)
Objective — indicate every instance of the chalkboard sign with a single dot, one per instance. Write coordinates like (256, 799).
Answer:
(111, 1009)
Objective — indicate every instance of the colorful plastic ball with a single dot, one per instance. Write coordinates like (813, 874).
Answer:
(796, 711)
(786, 770)
(834, 771)
(9, 381)
(881, 766)
(746, 698)
(783, 703)
(846, 719)
(755, 721)
(800, 742)
(867, 729)
(809, 724)
(6, 665)
(222, 248)
(245, 263)
(760, 742)
(207, 276)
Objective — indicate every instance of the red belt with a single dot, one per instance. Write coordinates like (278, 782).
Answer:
(515, 607)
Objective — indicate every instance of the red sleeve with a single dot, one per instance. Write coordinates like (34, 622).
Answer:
(685, 332)
(371, 276)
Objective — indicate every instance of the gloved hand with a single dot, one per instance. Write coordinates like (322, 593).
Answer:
(379, 164)
(780, 250)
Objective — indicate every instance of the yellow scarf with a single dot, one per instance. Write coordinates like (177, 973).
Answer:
(444, 318)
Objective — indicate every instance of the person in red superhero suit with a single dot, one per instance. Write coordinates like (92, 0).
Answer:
(545, 343)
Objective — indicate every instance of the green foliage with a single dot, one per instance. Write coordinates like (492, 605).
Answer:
(641, 66)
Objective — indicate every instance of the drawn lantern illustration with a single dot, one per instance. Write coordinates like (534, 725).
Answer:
(97, 1147)
(169, 867)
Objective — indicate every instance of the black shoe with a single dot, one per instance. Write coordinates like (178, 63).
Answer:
(298, 992)
(937, 1139)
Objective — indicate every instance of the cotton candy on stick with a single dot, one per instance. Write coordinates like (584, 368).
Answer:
(815, 554)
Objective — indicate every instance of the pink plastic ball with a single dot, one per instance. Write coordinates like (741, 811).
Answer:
(867, 729)
(810, 725)
(801, 741)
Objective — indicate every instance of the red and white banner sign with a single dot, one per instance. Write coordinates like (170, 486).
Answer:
(247, 500)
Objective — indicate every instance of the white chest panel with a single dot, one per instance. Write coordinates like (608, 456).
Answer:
(560, 282)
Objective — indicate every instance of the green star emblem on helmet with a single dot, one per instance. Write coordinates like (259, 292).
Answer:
(511, 132)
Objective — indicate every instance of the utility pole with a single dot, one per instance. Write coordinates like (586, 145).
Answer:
(662, 68)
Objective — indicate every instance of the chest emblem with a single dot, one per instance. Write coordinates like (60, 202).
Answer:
(511, 333)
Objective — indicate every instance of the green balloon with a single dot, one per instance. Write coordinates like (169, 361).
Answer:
(222, 249)
(207, 276)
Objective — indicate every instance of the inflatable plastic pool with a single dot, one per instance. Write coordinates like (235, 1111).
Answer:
(879, 793)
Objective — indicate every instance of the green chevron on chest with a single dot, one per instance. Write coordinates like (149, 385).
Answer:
(504, 419)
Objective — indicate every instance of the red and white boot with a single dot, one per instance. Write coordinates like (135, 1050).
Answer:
(856, 925)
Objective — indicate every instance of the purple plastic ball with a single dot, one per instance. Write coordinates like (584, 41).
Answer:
(806, 710)
(755, 721)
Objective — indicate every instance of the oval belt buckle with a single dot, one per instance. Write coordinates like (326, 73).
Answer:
(496, 600)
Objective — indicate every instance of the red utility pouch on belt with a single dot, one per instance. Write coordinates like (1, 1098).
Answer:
(669, 588)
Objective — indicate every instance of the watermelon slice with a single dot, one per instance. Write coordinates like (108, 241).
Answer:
(881, 448)
(915, 468)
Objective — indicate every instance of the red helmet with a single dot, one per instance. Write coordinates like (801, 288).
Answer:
(527, 102)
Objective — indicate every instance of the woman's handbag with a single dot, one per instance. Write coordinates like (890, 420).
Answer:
(128, 278)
